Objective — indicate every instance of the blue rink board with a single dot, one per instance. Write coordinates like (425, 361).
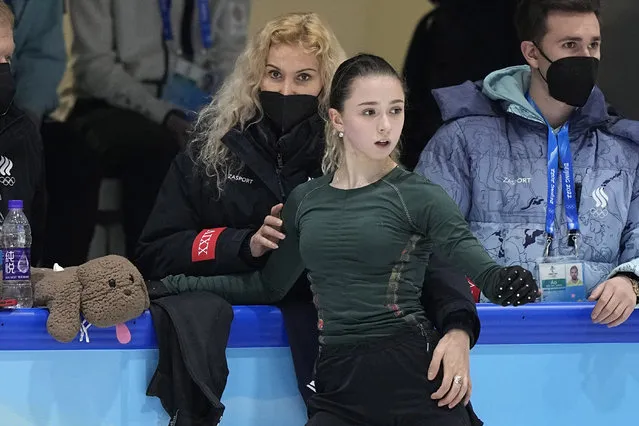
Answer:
(534, 365)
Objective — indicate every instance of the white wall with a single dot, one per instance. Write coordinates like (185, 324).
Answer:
(382, 27)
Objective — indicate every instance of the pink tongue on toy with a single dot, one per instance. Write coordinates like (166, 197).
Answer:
(123, 334)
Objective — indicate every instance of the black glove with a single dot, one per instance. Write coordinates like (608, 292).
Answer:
(157, 289)
(516, 287)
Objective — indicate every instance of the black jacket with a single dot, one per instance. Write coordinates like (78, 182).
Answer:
(192, 330)
(22, 174)
(188, 204)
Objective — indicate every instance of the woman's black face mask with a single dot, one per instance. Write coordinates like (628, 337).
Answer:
(287, 111)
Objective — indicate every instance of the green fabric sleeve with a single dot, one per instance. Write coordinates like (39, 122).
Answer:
(441, 220)
(266, 286)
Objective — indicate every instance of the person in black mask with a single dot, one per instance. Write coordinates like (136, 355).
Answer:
(22, 174)
(263, 135)
(541, 165)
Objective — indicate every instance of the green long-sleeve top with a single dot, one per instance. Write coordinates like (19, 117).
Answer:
(366, 251)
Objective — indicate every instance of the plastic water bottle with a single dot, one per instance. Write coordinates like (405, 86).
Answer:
(16, 272)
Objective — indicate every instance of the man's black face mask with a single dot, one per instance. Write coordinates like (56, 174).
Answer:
(571, 79)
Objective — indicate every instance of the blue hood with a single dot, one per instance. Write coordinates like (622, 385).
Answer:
(504, 91)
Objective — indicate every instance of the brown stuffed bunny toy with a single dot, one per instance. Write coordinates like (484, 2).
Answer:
(107, 292)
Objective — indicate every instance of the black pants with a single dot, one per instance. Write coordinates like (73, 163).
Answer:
(100, 141)
(381, 383)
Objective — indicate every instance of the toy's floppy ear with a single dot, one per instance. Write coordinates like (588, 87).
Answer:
(63, 302)
(63, 323)
(43, 281)
(40, 284)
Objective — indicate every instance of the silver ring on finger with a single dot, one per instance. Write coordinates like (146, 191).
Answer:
(458, 380)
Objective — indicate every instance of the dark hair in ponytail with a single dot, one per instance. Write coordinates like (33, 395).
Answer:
(360, 66)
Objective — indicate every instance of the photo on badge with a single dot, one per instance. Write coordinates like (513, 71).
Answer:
(575, 276)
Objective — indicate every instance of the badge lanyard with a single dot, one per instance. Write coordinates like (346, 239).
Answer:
(559, 150)
(204, 14)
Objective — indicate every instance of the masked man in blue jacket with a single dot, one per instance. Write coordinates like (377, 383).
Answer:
(544, 171)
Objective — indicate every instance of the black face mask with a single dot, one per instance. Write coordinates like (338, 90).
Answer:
(287, 111)
(571, 79)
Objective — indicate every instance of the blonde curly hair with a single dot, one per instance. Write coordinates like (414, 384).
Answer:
(6, 15)
(237, 103)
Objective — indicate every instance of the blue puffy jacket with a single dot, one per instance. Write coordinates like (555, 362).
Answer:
(491, 157)
(40, 57)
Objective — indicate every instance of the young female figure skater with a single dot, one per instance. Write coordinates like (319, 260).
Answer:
(261, 137)
(365, 232)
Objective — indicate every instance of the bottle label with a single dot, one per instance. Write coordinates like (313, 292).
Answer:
(17, 264)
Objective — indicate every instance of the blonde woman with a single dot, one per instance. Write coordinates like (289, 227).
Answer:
(263, 135)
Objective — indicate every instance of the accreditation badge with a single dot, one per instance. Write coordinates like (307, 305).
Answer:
(561, 279)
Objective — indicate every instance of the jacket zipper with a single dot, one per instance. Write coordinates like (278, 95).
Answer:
(6, 126)
(424, 335)
(278, 170)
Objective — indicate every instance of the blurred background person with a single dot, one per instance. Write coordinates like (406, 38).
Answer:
(459, 40)
(21, 153)
(39, 60)
(141, 70)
